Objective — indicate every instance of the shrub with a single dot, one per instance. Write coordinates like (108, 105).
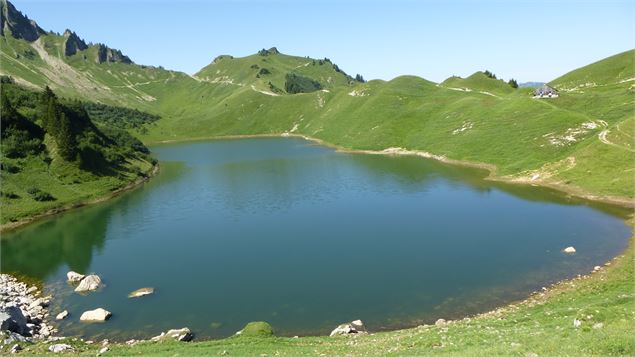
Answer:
(298, 84)
(39, 195)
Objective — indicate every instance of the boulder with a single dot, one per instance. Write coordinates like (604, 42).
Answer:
(569, 250)
(96, 315)
(12, 319)
(353, 327)
(141, 292)
(440, 322)
(62, 315)
(183, 334)
(89, 283)
(60, 347)
(74, 277)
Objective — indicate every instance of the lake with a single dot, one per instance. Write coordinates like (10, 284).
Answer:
(306, 238)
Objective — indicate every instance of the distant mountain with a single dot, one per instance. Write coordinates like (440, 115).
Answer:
(16, 25)
(531, 84)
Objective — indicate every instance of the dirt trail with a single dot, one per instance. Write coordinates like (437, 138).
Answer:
(602, 136)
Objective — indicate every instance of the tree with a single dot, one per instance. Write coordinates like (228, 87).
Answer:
(65, 139)
(512, 82)
(489, 74)
(359, 78)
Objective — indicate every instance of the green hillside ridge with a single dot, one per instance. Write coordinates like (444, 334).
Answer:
(562, 141)
(614, 70)
(478, 82)
(266, 71)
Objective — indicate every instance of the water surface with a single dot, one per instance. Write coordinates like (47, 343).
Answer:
(284, 231)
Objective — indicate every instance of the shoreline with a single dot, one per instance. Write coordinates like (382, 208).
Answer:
(623, 202)
(89, 202)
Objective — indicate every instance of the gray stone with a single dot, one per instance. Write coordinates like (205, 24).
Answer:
(62, 315)
(96, 315)
(16, 348)
(184, 334)
(60, 347)
(89, 283)
(141, 292)
(353, 327)
(12, 319)
(74, 277)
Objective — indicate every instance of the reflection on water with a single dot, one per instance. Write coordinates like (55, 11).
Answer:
(295, 234)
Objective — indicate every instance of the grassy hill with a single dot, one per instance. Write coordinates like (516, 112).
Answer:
(479, 82)
(267, 71)
(617, 69)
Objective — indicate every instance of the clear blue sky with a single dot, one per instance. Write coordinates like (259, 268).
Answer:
(526, 40)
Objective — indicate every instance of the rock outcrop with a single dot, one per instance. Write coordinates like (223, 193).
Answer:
(14, 23)
(72, 43)
(106, 54)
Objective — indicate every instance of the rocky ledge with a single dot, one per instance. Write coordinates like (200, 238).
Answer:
(23, 313)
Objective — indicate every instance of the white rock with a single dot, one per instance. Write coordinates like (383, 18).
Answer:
(62, 315)
(352, 327)
(104, 350)
(184, 334)
(576, 323)
(141, 292)
(16, 348)
(569, 250)
(95, 315)
(59, 347)
(598, 325)
(89, 283)
(74, 277)
(597, 268)
(440, 322)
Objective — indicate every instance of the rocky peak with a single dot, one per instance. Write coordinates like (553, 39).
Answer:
(14, 23)
(271, 51)
(110, 55)
(72, 43)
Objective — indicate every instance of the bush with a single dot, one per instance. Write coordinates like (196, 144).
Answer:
(298, 84)
(257, 329)
(39, 195)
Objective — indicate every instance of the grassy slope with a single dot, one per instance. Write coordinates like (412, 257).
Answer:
(226, 98)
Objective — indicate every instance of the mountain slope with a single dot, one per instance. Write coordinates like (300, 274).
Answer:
(616, 69)
(266, 71)
(561, 141)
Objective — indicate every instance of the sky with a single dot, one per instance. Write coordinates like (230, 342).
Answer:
(526, 40)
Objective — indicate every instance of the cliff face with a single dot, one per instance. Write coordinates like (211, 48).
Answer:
(14, 23)
(73, 43)
(110, 55)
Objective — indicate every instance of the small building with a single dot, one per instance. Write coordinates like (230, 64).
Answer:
(545, 91)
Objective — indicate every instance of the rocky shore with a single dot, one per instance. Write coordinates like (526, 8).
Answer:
(23, 313)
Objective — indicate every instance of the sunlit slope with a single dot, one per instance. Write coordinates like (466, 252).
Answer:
(578, 140)
(478, 82)
(266, 71)
(617, 69)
